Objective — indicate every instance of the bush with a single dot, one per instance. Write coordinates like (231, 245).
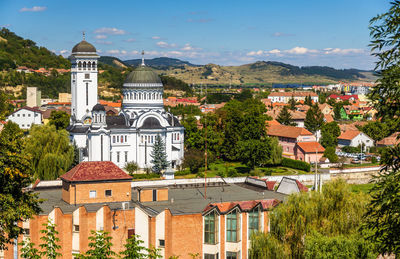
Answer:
(194, 159)
(296, 164)
(373, 159)
(232, 172)
(349, 149)
(145, 176)
(221, 173)
(330, 153)
(182, 173)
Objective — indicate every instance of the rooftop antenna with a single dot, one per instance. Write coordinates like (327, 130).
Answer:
(83, 35)
(143, 58)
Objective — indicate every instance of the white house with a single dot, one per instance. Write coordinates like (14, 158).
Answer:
(25, 117)
(355, 138)
(284, 97)
(131, 135)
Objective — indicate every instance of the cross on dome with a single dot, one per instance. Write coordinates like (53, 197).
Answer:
(83, 35)
(143, 64)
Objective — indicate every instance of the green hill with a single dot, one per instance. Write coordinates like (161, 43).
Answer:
(113, 61)
(160, 63)
(16, 51)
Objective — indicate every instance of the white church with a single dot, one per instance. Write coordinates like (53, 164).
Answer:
(130, 136)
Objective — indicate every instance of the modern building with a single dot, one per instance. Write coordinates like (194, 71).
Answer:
(25, 117)
(33, 97)
(179, 219)
(130, 136)
(355, 138)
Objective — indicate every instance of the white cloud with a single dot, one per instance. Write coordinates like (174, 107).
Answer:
(104, 42)
(256, 53)
(101, 36)
(64, 51)
(189, 47)
(156, 37)
(113, 52)
(274, 51)
(163, 44)
(342, 51)
(33, 9)
(130, 40)
(282, 34)
(111, 31)
(299, 51)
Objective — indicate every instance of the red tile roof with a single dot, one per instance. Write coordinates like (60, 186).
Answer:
(95, 171)
(270, 185)
(390, 141)
(302, 188)
(33, 109)
(349, 134)
(225, 207)
(343, 97)
(328, 118)
(287, 131)
(311, 147)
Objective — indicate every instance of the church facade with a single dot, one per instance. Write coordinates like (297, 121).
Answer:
(130, 136)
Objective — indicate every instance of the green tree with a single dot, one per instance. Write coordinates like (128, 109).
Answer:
(131, 167)
(337, 107)
(329, 134)
(154, 253)
(50, 239)
(51, 152)
(254, 151)
(193, 137)
(275, 152)
(16, 202)
(76, 159)
(60, 119)
(376, 130)
(100, 246)
(314, 119)
(330, 153)
(244, 95)
(382, 218)
(28, 250)
(308, 100)
(5, 106)
(134, 248)
(159, 156)
(194, 159)
(265, 245)
(285, 118)
(292, 104)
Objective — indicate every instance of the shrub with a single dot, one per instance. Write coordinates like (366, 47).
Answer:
(296, 164)
(330, 153)
(349, 149)
(145, 176)
(221, 173)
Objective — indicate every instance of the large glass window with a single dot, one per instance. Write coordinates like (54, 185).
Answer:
(210, 228)
(210, 256)
(232, 226)
(231, 255)
(254, 221)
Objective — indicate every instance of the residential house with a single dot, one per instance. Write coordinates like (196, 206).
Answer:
(25, 117)
(284, 97)
(390, 141)
(355, 138)
(350, 98)
(310, 152)
(179, 218)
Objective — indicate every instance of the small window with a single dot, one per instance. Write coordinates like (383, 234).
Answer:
(210, 256)
(92, 194)
(161, 242)
(23, 125)
(108, 193)
(131, 232)
(118, 157)
(126, 156)
(113, 139)
(23, 115)
(26, 231)
(29, 115)
(126, 138)
(87, 76)
(154, 195)
(76, 228)
(18, 115)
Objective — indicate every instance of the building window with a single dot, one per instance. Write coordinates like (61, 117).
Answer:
(23, 125)
(87, 93)
(26, 231)
(108, 193)
(232, 255)
(154, 195)
(118, 157)
(29, 115)
(126, 156)
(126, 138)
(18, 115)
(76, 228)
(232, 226)
(141, 138)
(113, 139)
(131, 232)
(92, 194)
(211, 256)
(87, 76)
(161, 242)
(254, 221)
(210, 228)
(110, 156)
(122, 139)
(23, 115)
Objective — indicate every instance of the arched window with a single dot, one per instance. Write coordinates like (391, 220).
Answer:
(144, 96)
(94, 65)
(151, 139)
(79, 65)
(140, 96)
(130, 96)
(134, 96)
(84, 65)
(89, 65)
(177, 135)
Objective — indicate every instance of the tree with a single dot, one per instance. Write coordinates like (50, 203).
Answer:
(285, 118)
(244, 95)
(154, 253)
(159, 156)
(193, 137)
(329, 134)
(314, 119)
(333, 213)
(16, 202)
(60, 119)
(308, 100)
(134, 248)
(382, 218)
(194, 159)
(100, 246)
(51, 152)
(5, 106)
(292, 104)
(28, 250)
(330, 153)
(254, 152)
(50, 239)
(376, 130)
(131, 167)
(337, 108)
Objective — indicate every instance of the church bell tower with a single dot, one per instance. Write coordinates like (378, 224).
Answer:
(84, 60)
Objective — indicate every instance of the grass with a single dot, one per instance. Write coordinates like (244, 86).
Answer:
(357, 188)
(360, 165)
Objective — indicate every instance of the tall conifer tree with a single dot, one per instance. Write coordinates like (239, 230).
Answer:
(159, 156)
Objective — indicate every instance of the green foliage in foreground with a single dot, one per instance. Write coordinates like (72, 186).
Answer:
(296, 164)
(296, 225)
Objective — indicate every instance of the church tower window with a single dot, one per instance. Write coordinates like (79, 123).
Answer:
(84, 65)
(118, 157)
(87, 93)
(113, 139)
(89, 65)
(79, 65)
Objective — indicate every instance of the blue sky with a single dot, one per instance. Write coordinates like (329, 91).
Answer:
(313, 32)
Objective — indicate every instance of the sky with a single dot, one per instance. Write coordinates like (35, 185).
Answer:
(303, 33)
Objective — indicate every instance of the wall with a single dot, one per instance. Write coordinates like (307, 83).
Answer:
(26, 118)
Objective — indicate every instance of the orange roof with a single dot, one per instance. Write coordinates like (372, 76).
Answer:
(95, 171)
(328, 118)
(349, 134)
(273, 122)
(294, 94)
(287, 131)
(311, 147)
(389, 141)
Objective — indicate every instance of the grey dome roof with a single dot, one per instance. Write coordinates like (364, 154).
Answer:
(143, 75)
(83, 46)
(151, 123)
(98, 107)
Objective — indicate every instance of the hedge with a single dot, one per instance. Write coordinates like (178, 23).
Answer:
(145, 176)
(296, 164)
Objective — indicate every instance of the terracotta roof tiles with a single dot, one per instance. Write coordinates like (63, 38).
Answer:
(311, 147)
(349, 134)
(286, 131)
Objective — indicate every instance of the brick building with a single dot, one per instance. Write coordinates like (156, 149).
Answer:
(179, 219)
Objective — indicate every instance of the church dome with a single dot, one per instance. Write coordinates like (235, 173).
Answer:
(143, 75)
(98, 108)
(83, 46)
